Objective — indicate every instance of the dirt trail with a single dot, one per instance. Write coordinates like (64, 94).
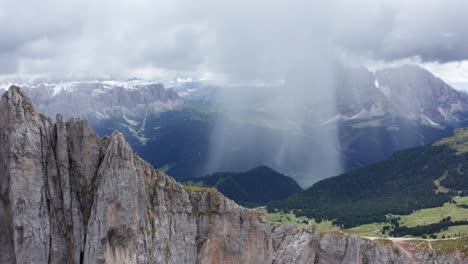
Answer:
(397, 239)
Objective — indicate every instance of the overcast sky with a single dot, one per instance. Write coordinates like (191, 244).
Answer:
(233, 41)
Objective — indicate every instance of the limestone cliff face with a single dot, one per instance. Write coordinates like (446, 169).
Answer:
(68, 196)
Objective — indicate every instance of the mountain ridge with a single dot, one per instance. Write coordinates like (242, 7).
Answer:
(409, 90)
(251, 188)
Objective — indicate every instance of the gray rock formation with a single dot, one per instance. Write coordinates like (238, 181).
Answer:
(416, 93)
(409, 91)
(129, 101)
(68, 196)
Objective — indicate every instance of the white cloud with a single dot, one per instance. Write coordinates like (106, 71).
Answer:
(252, 41)
(453, 73)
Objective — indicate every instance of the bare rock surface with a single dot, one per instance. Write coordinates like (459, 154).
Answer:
(68, 196)
(103, 101)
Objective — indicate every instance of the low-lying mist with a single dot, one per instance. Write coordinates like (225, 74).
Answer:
(283, 126)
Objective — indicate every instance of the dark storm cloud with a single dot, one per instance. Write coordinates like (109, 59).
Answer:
(239, 40)
(430, 30)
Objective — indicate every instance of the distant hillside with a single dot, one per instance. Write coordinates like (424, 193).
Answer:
(411, 179)
(251, 188)
(366, 141)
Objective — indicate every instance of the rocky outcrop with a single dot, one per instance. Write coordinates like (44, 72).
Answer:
(291, 245)
(68, 196)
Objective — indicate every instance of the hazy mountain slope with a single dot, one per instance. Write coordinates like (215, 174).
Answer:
(255, 187)
(197, 91)
(365, 141)
(189, 133)
(357, 95)
(416, 93)
(180, 142)
(408, 91)
(406, 181)
(372, 123)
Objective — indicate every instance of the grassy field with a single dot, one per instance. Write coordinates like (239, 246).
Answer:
(420, 217)
(199, 189)
(366, 230)
(453, 231)
(300, 221)
(434, 215)
(457, 141)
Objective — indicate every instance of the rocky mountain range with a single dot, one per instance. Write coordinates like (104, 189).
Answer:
(409, 91)
(69, 196)
(377, 113)
(130, 100)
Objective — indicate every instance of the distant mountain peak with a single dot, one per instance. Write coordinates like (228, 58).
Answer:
(409, 90)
